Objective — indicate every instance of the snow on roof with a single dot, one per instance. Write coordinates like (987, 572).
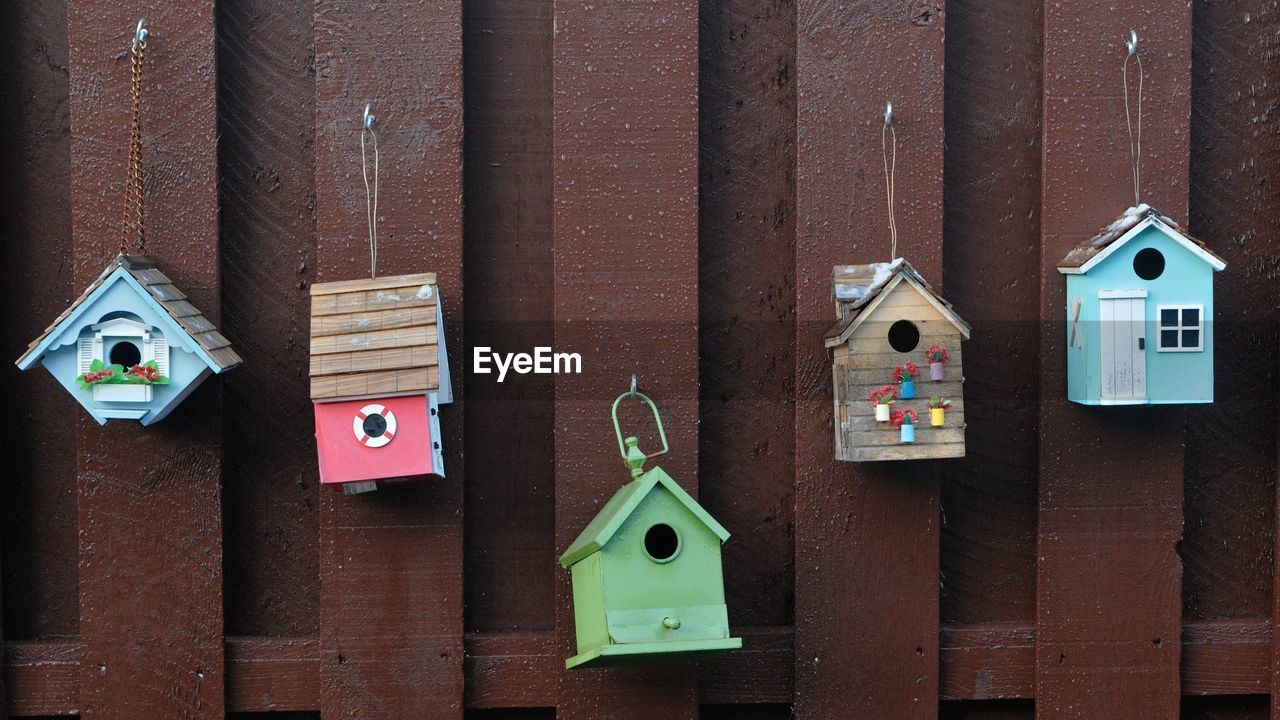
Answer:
(1094, 246)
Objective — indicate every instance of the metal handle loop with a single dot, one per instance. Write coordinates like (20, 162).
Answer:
(617, 428)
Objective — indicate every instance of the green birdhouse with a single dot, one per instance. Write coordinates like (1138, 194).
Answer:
(647, 581)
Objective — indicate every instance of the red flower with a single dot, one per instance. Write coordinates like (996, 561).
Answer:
(899, 417)
(906, 373)
(884, 395)
(936, 354)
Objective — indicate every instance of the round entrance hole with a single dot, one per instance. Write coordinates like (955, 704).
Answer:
(125, 353)
(661, 543)
(904, 336)
(375, 426)
(1148, 264)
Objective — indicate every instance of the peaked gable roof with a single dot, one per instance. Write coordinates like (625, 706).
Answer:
(1129, 225)
(602, 528)
(860, 288)
(141, 274)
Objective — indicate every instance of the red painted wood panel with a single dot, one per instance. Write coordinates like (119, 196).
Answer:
(862, 528)
(1109, 597)
(626, 268)
(150, 592)
(391, 561)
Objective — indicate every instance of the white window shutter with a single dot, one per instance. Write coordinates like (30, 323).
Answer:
(160, 350)
(84, 349)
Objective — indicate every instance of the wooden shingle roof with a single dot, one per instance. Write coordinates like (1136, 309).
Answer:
(170, 299)
(375, 337)
(1087, 253)
(857, 287)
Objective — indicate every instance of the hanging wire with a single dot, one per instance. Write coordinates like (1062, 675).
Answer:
(370, 197)
(890, 170)
(1135, 139)
(132, 225)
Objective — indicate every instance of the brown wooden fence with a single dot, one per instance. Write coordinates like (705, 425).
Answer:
(662, 187)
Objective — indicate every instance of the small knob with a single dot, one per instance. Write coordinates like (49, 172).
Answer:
(671, 623)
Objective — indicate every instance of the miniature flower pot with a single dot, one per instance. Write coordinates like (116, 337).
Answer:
(907, 389)
(122, 393)
(937, 416)
(937, 371)
(882, 412)
(908, 434)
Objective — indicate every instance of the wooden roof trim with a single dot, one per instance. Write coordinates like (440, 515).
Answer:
(1129, 225)
(365, 284)
(839, 333)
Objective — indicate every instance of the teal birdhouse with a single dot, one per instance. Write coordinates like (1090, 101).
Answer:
(647, 580)
(131, 347)
(1140, 314)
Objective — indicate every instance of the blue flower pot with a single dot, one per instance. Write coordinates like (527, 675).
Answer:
(908, 434)
(907, 390)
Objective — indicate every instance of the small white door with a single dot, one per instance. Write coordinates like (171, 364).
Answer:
(1123, 331)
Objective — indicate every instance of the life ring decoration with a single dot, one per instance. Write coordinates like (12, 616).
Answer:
(374, 426)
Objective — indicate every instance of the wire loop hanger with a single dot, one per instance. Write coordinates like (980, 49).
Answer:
(1135, 139)
(132, 226)
(890, 170)
(370, 196)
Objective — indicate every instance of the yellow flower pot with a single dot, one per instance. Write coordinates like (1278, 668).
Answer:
(936, 416)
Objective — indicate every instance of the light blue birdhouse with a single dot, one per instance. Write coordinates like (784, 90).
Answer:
(131, 347)
(1140, 314)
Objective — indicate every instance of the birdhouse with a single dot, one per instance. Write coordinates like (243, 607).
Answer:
(895, 358)
(131, 347)
(647, 580)
(379, 374)
(1140, 314)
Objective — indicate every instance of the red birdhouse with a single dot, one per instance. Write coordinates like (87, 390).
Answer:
(379, 374)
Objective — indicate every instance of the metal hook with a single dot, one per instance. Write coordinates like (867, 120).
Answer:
(1132, 44)
(633, 386)
(368, 116)
(888, 113)
(141, 33)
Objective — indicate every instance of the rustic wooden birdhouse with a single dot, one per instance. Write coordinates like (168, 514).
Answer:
(379, 373)
(131, 347)
(898, 374)
(1141, 277)
(647, 579)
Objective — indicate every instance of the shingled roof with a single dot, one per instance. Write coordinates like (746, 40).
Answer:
(1083, 256)
(857, 287)
(375, 337)
(172, 301)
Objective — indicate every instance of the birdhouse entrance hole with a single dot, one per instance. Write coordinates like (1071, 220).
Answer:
(125, 353)
(661, 543)
(904, 336)
(375, 426)
(1148, 263)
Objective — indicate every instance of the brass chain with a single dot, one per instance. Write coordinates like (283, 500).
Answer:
(132, 225)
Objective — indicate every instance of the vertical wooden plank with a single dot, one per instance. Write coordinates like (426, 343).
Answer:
(150, 517)
(509, 306)
(625, 171)
(1229, 493)
(1109, 578)
(863, 528)
(391, 561)
(992, 196)
(266, 98)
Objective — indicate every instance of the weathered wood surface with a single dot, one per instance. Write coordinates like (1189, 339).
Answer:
(1109, 602)
(166, 661)
(747, 339)
(625, 191)
(391, 561)
(863, 526)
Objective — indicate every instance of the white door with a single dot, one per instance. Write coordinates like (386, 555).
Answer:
(1123, 329)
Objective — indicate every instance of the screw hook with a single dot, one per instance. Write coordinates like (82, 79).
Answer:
(368, 116)
(632, 394)
(141, 33)
(1132, 43)
(888, 113)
